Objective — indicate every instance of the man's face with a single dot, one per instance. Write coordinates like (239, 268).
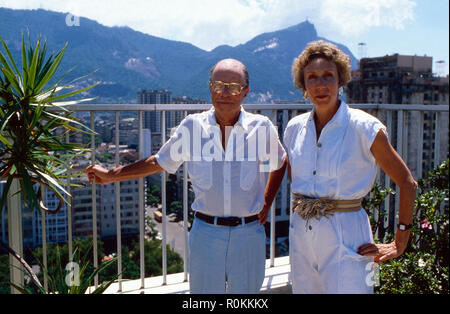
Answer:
(228, 71)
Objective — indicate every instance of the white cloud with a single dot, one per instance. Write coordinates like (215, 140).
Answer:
(355, 17)
(209, 23)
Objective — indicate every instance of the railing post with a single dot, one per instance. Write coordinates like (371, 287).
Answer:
(185, 218)
(69, 207)
(272, 233)
(273, 209)
(141, 206)
(94, 203)
(44, 239)
(387, 180)
(118, 219)
(401, 152)
(437, 150)
(284, 182)
(420, 147)
(15, 234)
(163, 201)
(437, 140)
(405, 130)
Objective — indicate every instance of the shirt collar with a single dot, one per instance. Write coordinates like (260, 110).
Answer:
(242, 120)
(340, 117)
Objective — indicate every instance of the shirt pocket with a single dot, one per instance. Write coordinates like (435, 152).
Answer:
(201, 174)
(302, 161)
(328, 160)
(248, 174)
(333, 149)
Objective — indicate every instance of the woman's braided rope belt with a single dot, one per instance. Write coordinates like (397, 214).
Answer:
(308, 208)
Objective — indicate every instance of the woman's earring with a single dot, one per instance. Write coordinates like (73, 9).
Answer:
(341, 91)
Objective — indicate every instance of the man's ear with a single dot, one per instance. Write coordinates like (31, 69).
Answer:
(247, 89)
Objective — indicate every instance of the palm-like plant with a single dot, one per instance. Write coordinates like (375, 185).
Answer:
(34, 121)
(33, 124)
(58, 279)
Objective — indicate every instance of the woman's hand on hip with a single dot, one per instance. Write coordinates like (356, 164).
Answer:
(385, 252)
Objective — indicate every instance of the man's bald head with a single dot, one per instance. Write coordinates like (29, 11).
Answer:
(231, 63)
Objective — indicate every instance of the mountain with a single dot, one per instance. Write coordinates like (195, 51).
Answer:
(128, 60)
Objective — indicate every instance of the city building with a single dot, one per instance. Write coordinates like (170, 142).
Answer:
(128, 131)
(152, 119)
(82, 220)
(178, 116)
(32, 222)
(409, 80)
(55, 224)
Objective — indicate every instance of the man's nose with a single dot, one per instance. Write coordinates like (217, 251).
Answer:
(226, 90)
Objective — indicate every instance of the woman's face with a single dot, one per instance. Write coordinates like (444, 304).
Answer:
(322, 82)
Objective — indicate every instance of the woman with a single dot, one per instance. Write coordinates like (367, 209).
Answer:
(333, 154)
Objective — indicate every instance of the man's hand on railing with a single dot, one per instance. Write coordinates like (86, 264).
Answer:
(100, 174)
(139, 169)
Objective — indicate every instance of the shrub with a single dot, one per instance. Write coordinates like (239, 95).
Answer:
(424, 267)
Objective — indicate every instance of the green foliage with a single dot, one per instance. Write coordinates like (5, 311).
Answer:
(176, 207)
(32, 132)
(413, 273)
(58, 274)
(153, 195)
(61, 252)
(130, 270)
(153, 259)
(107, 157)
(372, 204)
(58, 258)
(152, 231)
(424, 267)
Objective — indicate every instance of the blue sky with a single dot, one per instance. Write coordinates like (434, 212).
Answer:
(408, 27)
(427, 34)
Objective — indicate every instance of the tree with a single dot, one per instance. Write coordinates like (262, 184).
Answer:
(153, 258)
(177, 208)
(153, 195)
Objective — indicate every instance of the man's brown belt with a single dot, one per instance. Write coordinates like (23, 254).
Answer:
(308, 208)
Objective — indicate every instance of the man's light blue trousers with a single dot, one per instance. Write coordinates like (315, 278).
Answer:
(226, 259)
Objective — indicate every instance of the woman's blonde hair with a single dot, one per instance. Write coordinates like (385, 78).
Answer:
(325, 50)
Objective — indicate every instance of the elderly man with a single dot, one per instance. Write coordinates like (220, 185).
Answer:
(228, 151)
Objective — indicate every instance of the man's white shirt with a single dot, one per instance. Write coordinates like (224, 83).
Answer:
(231, 182)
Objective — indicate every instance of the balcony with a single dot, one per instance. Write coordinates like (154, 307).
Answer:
(404, 124)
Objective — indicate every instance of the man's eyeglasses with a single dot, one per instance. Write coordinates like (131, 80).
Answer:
(219, 86)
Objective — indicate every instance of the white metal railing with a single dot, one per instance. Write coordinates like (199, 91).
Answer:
(270, 109)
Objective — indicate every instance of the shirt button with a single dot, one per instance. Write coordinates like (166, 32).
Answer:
(319, 145)
(310, 228)
(314, 172)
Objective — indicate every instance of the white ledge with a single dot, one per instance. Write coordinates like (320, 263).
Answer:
(277, 280)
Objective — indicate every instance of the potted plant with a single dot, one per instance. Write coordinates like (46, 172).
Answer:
(34, 120)
(76, 282)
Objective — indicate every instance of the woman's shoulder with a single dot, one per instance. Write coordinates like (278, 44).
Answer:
(360, 118)
(365, 124)
(299, 121)
(295, 125)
